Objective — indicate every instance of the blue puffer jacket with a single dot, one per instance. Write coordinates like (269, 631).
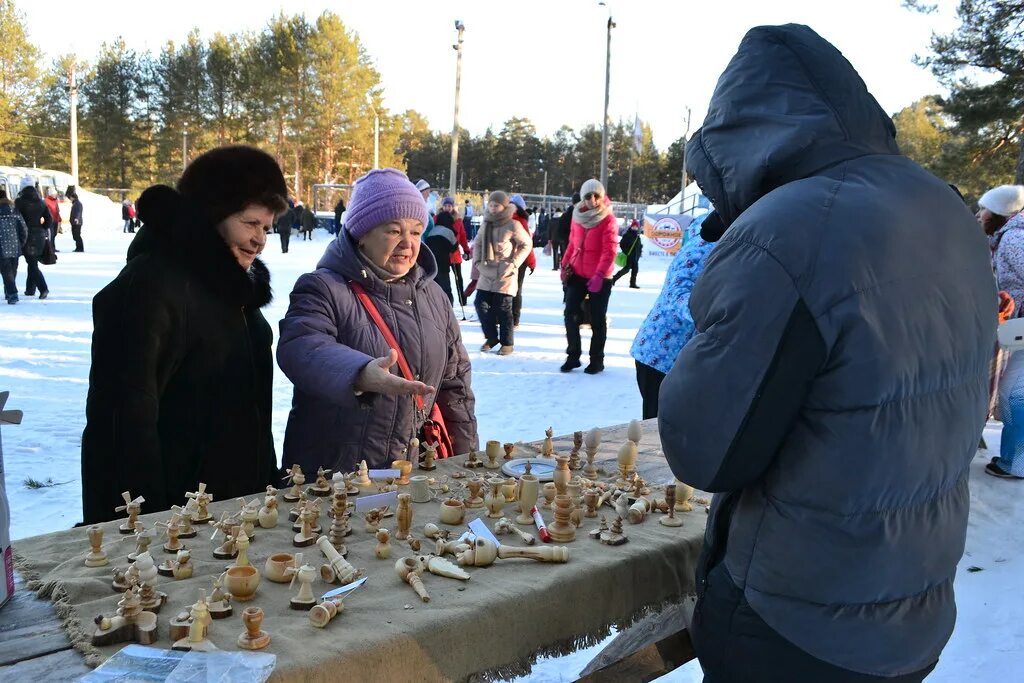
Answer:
(836, 388)
(668, 325)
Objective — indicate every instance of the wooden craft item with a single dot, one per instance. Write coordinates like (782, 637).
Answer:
(627, 462)
(562, 529)
(179, 624)
(404, 468)
(228, 527)
(548, 448)
(453, 511)
(474, 500)
(683, 494)
(508, 489)
(607, 496)
(274, 569)
(180, 567)
(322, 486)
(590, 498)
(131, 623)
(529, 489)
(185, 516)
(362, 479)
(614, 535)
(414, 544)
(404, 516)
(434, 532)
(96, 556)
(151, 599)
(267, 516)
(253, 638)
(409, 570)
(203, 500)
(544, 553)
(242, 582)
(337, 569)
(509, 448)
(143, 538)
(133, 508)
(383, 549)
(373, 517)
(504, 526)
(670, 503)
(638, 510)
(602, 527)
(296, 510)
(120, 582)
(242, 544)
(429, 455)
(472, 460)
(200, 617)
(219, 603)
(593, 442)
(249, 516)
(314, 523)
(493, 452)
(622, 504)
(321, 614)
(172, 527)
(495, 501)
(635, 431)
(439, 566)
(562, 474)
(306, 574)
(310, 529)
(574, 461)
(550, 491)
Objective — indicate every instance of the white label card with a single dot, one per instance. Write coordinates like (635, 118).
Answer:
(344, 589)
(379, 500)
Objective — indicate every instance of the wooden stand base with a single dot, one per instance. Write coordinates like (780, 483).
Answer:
(297, 604)
(142, 630)
(258, 643)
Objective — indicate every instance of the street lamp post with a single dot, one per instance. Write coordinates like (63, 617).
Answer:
(460, 27)
(686, 140)
(607, 86)
(184, 146)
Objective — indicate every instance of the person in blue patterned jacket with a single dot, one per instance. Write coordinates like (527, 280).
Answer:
(668, 326)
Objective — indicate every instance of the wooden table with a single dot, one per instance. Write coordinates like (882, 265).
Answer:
(33, 644)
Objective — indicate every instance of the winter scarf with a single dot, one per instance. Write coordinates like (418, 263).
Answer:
(491, 224)
(589, 219)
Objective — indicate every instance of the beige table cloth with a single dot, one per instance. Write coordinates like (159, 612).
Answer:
(489, 628)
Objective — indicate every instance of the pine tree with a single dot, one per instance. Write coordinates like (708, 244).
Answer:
(18, 81)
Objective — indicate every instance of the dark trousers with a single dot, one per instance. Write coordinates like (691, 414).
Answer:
(76, 234)
(495, 313)
(53, 235)
(632, 267)
(557, 249)
(35, 279)
(649, 381)
(307, 235)
(9, 271)
(575, 291)
(517, 300)
(286, 235)
(461, 291)
(734, 644)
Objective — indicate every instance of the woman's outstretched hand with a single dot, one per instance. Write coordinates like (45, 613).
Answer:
(376, 378)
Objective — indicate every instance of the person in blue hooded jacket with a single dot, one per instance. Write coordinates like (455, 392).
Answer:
(835, 390)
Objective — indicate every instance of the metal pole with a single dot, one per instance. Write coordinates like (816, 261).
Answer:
(376, 140)
(686, 137)
(74, 123)
(607, 86)
(545, 186)
(460, 27)
(184, 146)
(629, 187)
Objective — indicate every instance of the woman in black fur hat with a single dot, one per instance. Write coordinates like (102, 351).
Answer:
(181, 377)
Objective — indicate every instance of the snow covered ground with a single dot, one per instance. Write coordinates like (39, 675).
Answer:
(44, 362)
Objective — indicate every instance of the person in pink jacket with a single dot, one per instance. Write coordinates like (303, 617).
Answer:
(587, 270)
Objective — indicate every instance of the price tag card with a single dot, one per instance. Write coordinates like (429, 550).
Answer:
(364, 503)
(383, 474)
(479, 527)
(344, 589)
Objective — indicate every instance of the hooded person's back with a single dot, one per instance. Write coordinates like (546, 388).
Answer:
(836, 387)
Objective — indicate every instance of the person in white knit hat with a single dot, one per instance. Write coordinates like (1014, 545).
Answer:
(1000, 216)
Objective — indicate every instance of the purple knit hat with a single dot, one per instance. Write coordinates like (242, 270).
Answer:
(380, 196)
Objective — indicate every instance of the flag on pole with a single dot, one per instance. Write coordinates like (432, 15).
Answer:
(638, 135)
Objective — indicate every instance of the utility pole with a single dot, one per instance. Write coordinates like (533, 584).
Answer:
(686, 139)
(607, 86)
(460, 27)
(184, 146)
(74, 122)
(376, 139)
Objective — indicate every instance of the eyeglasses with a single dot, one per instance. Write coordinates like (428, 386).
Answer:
(592, 195)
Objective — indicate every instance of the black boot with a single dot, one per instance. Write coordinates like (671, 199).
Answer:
(595, 367)
(570, 364)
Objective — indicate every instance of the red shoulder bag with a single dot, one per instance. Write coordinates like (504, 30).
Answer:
(434, 430)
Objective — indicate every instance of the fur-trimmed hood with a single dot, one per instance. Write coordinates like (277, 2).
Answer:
(175, 228)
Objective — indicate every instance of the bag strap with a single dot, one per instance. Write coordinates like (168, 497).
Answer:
(375, 315)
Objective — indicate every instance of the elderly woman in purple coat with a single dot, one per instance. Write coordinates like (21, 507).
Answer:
(351, 401)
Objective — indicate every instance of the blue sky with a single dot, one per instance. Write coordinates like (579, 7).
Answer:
(541, 59)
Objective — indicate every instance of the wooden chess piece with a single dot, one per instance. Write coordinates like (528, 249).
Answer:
(296, 478)
(337, 569)
(242, 544)
(562, 474)
(472, 462)
(200, 617)
(130, 623)
(133, 508)
(504, 526)
(96, 556)
(493, 452)
(383, 548)
(574, 461)
(306, 575)
(409, 570)
(615, 535)
(340, 520)
(548, 448)
(322, 487)
(362, 479)
(670, 500)
(593, 442)
(562, 529)
(627, 462)
(203, 500)
(253, 638)
(429, 455)
(404, 515)
(323, 612)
